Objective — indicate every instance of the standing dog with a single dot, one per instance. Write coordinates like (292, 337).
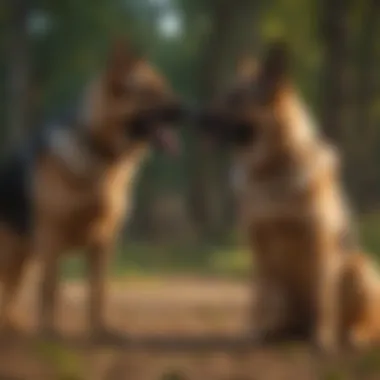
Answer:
(312, 279)
(75, 187)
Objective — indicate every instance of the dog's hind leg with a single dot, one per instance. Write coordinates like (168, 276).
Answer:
(269, 313)
(98, 258)
(13, 271)
(48, 246)
(360, 296)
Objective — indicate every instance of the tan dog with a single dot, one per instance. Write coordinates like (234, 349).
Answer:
(75, 188)
(311, 278)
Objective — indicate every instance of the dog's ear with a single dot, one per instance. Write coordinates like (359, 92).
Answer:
(121, 57)
(274, 73)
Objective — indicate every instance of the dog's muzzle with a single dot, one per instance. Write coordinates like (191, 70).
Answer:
(158, 125)
(224, 127)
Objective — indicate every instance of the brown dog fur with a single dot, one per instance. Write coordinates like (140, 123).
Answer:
(84, 206)
(311, 280)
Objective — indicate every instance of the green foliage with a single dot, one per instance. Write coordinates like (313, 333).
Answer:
(369, 232)
(297, 22)
(234, 261)
(134, 259)
(69, 40)
(70, 50)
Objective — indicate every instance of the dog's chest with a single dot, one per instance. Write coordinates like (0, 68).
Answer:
(100, 213)
(84, 210)
(266, 201)
(284, 249)
(300, 190)
(268, 197)
(97, 202)
(105, 198)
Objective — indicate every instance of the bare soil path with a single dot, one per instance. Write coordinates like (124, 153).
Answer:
(169, 307)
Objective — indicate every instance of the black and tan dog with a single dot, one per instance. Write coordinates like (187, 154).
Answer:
(75, 187)
(312, 280)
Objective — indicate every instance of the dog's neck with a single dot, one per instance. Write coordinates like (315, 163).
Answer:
(295, 132)
(296, 122)
(83, 156)
(73, 153)
(292, 156)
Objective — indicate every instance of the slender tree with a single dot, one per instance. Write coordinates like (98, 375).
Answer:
(366, 129)
(18, 68)
(335, 38)
(233, 31)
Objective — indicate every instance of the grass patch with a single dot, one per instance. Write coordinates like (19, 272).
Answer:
(369, 229)
(226, 260)
(143, 259)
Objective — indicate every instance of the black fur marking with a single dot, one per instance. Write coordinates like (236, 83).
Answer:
(142, 126)
(16, 172)
(242, 134)
(227, 128)
(15, 204)
(15, 181)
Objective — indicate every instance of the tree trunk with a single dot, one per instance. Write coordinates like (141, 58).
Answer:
(337, 92)
(335, 81)
(18, 63)
(234, 31)
(363, 160)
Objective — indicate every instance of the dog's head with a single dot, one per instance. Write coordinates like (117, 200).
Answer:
(132, 104)
(251, 116)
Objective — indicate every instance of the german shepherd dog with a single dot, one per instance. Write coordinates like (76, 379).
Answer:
(313, 281)
(75, 189)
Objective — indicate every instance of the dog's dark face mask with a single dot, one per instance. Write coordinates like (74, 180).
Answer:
(229, 120)
(141, 106)
(244, 115)
(156, 125)
(226, 128)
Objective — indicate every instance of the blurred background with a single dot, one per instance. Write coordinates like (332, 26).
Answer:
(49, 49)
(184, 221)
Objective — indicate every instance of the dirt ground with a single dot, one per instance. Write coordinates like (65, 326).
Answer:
(170, 307)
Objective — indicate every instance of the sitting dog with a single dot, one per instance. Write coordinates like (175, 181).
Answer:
(312, 278)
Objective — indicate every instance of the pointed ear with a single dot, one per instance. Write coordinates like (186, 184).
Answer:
(246, 67)
(274, 71)
(120, 57)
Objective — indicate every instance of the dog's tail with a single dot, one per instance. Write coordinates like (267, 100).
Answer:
(361, 298)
